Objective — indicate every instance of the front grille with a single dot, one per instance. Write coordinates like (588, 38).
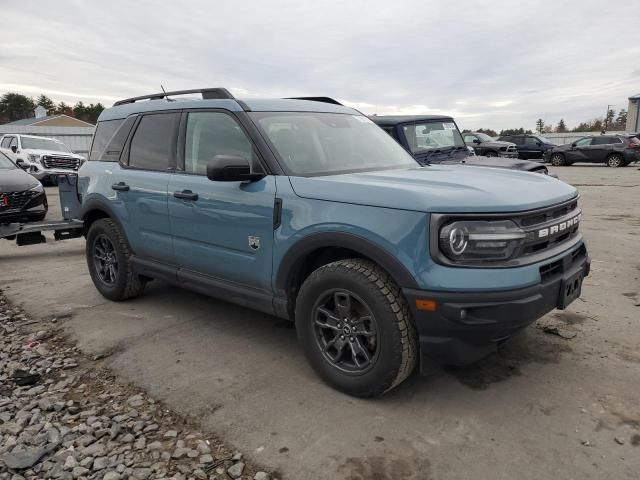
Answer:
(15, 201)
(511, 149)
(68, 163)
(550, 227)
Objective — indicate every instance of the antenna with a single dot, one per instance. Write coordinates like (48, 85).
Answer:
(166, 95)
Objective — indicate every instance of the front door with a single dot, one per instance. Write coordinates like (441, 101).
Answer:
(579, 152)
(221, 230)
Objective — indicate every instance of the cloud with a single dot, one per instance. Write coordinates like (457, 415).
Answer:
(482, 62)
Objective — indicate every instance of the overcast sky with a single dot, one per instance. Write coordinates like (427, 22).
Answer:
(490, 64)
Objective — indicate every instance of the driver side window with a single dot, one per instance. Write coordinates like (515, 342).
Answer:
(583, 142)
(469, 138)
(210, 134)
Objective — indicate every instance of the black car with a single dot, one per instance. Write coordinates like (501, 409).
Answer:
(614, 150)
(529, 146)
(486, 146)
(436, 139)
(22, 197)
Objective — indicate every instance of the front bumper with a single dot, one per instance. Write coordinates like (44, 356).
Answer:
(34, 209)
(508, 154)
(467, 326)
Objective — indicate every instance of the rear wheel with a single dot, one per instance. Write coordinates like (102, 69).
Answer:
(615, 160)
(108, 259)
(558, 160)
(356, 328)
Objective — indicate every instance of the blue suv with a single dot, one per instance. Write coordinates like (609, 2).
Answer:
(305, 209)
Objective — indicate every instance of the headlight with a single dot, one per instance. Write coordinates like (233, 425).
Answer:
(38, 188)
(33, 157)
(480, 241)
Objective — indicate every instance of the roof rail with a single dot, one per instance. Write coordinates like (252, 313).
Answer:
(316, 99)
(207, 94)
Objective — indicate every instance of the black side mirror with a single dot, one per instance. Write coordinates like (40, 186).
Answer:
(231, 168)
(14, 148)
(22, 164)
(476, 140)
(539, 144)
(573, 145)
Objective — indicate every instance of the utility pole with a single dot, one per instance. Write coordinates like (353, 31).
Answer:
(606, 119)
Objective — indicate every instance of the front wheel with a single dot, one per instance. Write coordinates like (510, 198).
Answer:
(558, 160)
(490, 153)
(108, 259)
(355, 328)
(616, 160)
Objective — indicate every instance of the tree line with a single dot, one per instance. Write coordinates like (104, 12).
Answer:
(14, 106)
(612, 122)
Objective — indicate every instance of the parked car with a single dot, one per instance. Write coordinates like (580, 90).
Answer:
(529, 146)
(42, 157)
(436, 139)
(486, 146)
(308, 211)
(614, 150)
(22, 197)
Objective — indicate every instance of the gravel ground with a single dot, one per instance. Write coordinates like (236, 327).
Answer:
(64, 416)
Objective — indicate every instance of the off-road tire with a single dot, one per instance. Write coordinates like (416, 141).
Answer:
(615, 160)
(558, 160)
(397, 337)
(128, 284)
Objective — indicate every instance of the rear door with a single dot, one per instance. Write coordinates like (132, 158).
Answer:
(601, 147)
(222, 231)
(530, 148)
(141, 184)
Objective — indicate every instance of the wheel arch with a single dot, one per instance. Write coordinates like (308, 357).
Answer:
(96, 209)
(315, 250)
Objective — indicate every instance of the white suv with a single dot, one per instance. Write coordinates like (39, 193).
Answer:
(40, 156)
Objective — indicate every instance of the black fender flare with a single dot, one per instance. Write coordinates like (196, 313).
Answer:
(98, 204)
(361, 245)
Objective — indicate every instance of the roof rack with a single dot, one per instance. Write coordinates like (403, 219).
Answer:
(316, 99)
(207, 94)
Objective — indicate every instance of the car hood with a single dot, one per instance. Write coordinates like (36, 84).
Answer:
(439, 188)
(16, 180)
(54, 153)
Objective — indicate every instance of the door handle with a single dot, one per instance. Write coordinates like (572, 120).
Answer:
(186, 195)
(120, 186)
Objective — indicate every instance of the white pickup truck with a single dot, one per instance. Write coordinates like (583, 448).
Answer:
(42, 157)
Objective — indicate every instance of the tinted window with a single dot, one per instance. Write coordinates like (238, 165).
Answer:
(605, 140)
(505, 139)
(104, 132)
(583, 142)
(210, 134)
(517, 140)
(532, 141)
(152, 142)
(116, 144)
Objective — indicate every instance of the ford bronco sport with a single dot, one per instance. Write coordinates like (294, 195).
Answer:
(308, 211)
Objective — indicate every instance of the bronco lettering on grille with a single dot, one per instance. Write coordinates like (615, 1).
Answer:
(559, 228)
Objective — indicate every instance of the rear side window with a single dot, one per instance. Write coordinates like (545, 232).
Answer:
(153, 141)
(114, 147)
(104, 132)
(605, 140)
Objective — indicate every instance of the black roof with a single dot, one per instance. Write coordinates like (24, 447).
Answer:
(390, 120)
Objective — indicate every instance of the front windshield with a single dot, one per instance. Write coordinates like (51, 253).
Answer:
(424, 137)
(32, 143)
(484, 137)
(5, 163)
(312, 143)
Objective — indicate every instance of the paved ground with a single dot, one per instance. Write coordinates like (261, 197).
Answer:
(545, 407)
